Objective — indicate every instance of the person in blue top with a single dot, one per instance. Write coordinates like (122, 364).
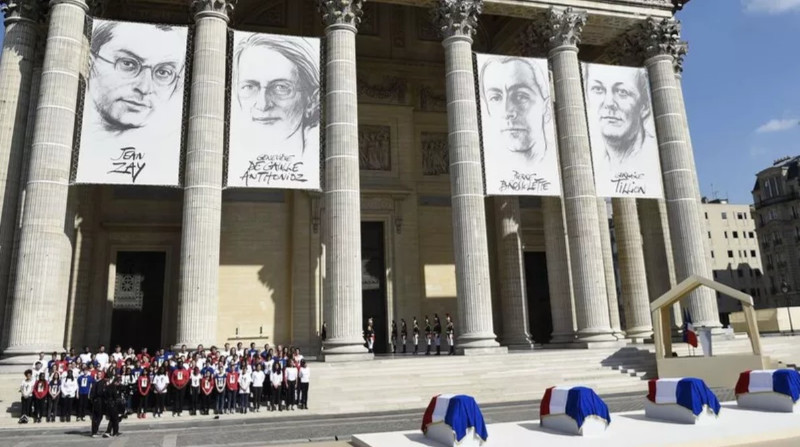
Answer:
(85, 382)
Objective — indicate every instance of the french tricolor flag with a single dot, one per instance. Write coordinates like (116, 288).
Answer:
(689, 335)
(688, 392)
(781, 381)
(459, 412)
(577, 402)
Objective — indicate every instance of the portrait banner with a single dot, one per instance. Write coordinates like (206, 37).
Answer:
(133, 103)
(274, 112)
(622, 132)
(517, 127)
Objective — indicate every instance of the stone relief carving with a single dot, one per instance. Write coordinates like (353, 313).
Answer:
(341, 12)
(218, 8)
(390, 89)
(660, 37)
(457, 17)
(374, 148)
(680, 54)
(14, 10)
(432, 99)
(564, 26)
(435, 156)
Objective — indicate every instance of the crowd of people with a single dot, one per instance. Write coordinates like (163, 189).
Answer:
(200, 382)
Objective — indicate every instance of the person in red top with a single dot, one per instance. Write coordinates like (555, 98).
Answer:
(232, 381)
(144, 359)
(143, 385)
(41, 389)
(179, 379)
(206, 387)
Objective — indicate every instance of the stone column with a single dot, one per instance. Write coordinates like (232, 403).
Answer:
(660, 42)
(457, 21)
(580, 202)
(40, 292)
(608, 267)
(657, 249)
(342, 194)
(633, 276)
(513, 294)
(17, 62)
(202, 195)
(562, 306)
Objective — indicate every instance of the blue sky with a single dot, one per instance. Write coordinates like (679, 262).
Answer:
(742, 86)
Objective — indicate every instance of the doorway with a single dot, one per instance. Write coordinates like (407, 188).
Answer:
(138, 299)
(538, 291)
(373, 282)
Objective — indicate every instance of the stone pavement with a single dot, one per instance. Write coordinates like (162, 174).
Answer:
(292, 429)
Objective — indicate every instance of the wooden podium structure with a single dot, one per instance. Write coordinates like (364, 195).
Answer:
(716, 371)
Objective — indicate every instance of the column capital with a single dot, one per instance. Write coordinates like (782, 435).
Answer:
(563, 27)
(22, 10)
(680, 54)
(341, 13)
(220, 9)
(457, 17)
(660, 37)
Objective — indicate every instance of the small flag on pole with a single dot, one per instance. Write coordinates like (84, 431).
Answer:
(689, 335)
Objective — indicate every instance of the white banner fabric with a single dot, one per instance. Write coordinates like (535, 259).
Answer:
(519, 146)
(622, 132)
(275, 112)
(133, 105)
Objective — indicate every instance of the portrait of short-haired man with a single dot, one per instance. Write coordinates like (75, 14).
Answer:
(133, 104)
(622, 130)
(275, 110)
(517, 121)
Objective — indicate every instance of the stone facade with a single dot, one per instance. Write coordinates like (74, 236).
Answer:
(402, 151)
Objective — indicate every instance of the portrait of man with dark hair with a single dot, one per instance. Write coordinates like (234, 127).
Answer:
(275, 111)
(517, 122)
(622, 131)
(133, 104)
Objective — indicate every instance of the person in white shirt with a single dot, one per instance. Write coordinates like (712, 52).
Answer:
(26, 394)
(258, 386)
(239, 349)
(38, 368)
(291, 384)
(101, 358)
(276, 381)
(86, 357)
(69, 391)
(305, 377)
(117, 355)
(161, 384)
(41, 361)
(194, 389)
(244, 391)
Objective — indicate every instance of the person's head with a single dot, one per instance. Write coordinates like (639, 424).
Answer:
(258, 366)
(28, 374)
(227, 347)
(144, 350)
(72, 352)
(514, 94)
(200, 348)
(620, 100)
(162, 370)
(270, 352)
(252, 345)
(38, 365)
(183, 348)
(303, 363)
(41, 355)
(118, 348)
(239, 345)
(55, 377)
(69, 374)
(63, 356)
(86, 349)
(290, 363)
(277, 85)
(102, 348)
(41, 376)
(131, 77)
(54, 356)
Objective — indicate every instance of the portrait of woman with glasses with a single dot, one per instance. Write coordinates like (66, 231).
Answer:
(275, 112)
(131, 129)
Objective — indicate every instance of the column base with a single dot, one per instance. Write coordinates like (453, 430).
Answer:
(496, 350)
(476, 340)
(338, 358)
(595, 335)
(344, 346)
(644, 340)
(517, 343)
(521, 346)
(562, 338)
(619, 335)
(587, 345)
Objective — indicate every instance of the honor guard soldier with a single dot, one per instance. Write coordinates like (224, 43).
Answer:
(143, 385)
(428, 334)
(370, 336)
(394, 337)
(450, 335)
(437, 333)
(403, 333)
(415, 331)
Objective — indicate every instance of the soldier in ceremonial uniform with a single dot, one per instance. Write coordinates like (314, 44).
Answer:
(428, 335)
(437, 333)
(394, 337)
(415, 329)
(403, 333)
(450, 335)
(369, 334)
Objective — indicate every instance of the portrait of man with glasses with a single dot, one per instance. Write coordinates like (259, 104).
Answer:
(131, 129)
(275, 112)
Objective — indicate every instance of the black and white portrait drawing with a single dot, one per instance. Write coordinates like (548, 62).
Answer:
(519, 150)
(133, 105)
(275, 112)
(622, 131)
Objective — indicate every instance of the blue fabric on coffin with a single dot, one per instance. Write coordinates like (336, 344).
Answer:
(583, 402)
(462, 413)
(693, 393)
(787, 381)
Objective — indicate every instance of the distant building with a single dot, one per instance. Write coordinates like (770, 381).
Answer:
(777, 214)
(734, 252)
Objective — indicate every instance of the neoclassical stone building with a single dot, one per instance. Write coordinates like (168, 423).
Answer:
(401, 228)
